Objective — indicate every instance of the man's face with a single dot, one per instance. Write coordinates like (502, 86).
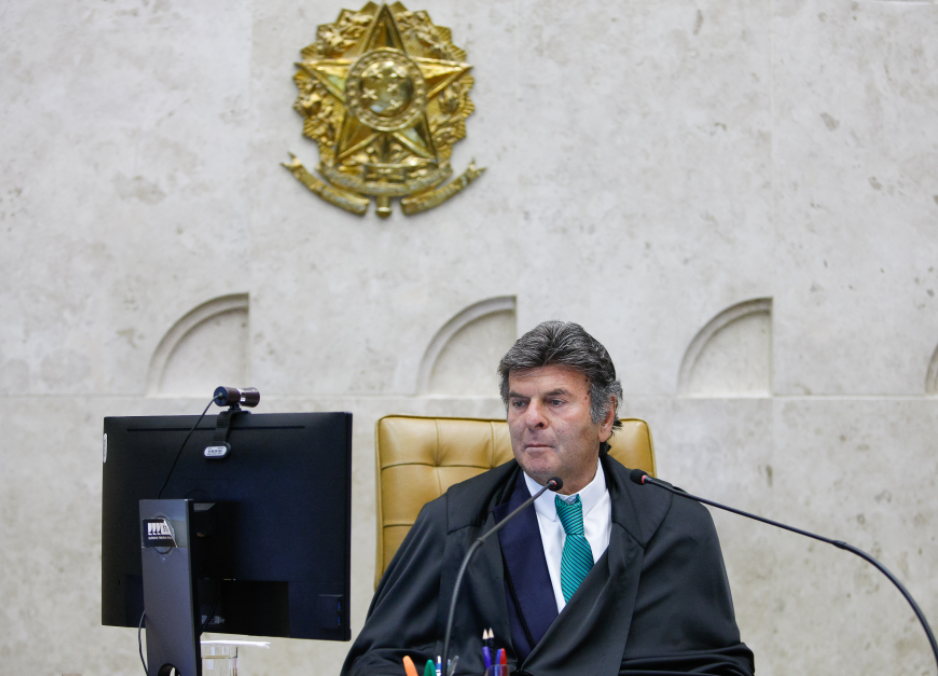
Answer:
(552, 433)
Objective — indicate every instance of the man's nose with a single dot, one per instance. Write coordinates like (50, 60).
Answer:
(534, 416)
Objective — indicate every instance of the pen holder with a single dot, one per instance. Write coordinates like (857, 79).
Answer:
(497, 670)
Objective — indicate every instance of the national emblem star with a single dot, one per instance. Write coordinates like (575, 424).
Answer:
(384, 93)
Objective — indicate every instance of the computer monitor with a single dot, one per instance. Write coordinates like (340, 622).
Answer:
(271, 538)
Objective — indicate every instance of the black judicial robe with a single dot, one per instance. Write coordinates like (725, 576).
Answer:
(657, 602)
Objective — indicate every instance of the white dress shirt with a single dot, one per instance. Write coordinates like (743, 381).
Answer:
(597, 524)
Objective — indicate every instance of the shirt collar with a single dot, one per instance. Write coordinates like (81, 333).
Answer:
(589, 496)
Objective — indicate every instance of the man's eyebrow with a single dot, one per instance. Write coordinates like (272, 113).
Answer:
(553, 393)
(556, 393)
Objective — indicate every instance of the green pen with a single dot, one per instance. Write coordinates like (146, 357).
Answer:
(430, 669)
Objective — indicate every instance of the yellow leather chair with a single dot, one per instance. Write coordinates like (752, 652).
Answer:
(418, 459)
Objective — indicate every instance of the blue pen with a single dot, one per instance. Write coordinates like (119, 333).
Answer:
(439, 666)
(486, 650)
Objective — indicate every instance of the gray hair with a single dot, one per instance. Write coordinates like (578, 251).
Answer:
(556, 343)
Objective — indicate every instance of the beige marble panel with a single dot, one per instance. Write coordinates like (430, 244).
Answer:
(854, 184)
(214, 352)
(861, 471)
(123, 133)
(732, 354)
(465, 366)
(664, 172)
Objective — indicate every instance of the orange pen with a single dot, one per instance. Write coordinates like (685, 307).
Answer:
(409, 667)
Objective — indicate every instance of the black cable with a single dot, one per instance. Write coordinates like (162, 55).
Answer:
(179, 452)
(140, 642)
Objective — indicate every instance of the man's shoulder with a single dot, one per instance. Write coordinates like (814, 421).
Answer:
(469, 502)
(644, 510)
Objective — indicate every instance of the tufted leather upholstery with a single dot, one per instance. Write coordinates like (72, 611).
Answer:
(418, 459)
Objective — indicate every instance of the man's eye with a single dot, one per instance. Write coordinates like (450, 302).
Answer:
(556, 402)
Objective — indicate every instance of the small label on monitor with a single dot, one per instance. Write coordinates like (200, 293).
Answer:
(217, 451)
(158, 533)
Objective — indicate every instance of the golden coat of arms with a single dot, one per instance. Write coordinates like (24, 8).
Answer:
(385, 94)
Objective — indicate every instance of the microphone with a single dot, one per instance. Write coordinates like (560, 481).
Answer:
(232, 396)
(641, 478)
(554, 484)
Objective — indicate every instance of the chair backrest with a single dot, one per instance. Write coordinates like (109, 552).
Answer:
(418, 459)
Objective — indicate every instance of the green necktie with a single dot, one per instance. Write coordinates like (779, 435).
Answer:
(577, 556)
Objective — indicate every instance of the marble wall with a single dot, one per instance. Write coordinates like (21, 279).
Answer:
(738, 197)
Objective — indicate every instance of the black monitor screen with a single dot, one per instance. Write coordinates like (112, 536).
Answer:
(275, 556)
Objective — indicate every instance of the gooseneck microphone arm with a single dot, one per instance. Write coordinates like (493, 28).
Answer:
(553, 484)
(639, 477)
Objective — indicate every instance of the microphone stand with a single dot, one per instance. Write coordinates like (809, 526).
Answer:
(553, 484)
(639, 477)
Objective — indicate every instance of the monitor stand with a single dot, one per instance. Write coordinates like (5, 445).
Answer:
(168, 593)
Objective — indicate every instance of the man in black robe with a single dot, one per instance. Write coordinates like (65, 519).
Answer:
(647, 593)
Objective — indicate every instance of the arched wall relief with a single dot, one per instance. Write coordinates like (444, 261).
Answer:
(732, 354)
(463, 355)
(208, 347)
(931, 380)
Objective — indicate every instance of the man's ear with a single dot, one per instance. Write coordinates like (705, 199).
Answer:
(605, 430)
